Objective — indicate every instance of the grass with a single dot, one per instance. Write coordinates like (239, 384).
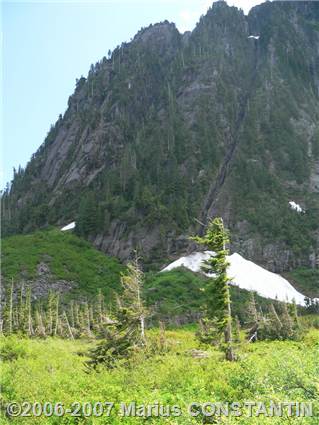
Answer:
(52, 370)
(70, 258)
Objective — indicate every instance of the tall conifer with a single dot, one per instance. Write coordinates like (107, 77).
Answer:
(218, 304)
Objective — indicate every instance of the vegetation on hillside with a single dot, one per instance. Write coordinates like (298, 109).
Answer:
(68, 257)
(306, 280)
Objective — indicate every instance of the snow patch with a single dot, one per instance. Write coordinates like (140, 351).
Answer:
(296, 207)
(68, 227)
(246, 275)
(256, 37)
(192, 262)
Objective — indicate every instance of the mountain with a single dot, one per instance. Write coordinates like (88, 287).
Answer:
(246, 275)
(173, 128)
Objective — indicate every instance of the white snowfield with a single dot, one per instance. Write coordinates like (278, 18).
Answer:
(256, 37)
(68, 227)
(246, 275)
(296, 207)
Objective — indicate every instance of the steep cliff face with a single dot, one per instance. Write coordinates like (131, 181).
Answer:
(172, 129)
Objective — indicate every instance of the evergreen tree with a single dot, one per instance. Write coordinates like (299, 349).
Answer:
(88, 216)
(133, 307)
(126, 333)
(218, 304)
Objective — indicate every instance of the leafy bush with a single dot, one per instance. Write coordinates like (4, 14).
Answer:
(12, 348)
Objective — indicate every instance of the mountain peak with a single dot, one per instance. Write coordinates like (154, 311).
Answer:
(162, 33)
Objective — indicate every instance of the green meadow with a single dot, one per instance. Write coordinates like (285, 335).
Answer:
(175, 369)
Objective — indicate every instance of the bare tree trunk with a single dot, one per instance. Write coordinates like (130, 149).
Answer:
(142, 319)
(68, 325)
(77, 316)
(56, 316)
(100, 307)
(15, 317)
(21, 308)
(91, 315)
(29, 312)
(10, 318)
(40, 329)
(87, 319)
(228, 330)
(163, 343)
(1, 308)
(228, 340)
(72, 314)
(50, 314)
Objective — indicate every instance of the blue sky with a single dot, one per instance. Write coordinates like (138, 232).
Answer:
(47, 45)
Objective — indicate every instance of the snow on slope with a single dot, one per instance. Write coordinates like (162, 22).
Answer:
(296, 207)
(246, 275)
(68, 227)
